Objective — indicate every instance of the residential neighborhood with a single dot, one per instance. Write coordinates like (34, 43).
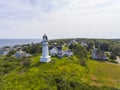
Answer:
(55, 50)
(19, 53)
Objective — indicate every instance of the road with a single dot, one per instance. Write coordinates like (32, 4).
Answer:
(118, 59)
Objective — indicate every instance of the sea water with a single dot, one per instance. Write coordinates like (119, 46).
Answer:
(12, 42)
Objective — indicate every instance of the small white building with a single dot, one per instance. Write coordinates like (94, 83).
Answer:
(57, 51)
(21, 54)
(72, 42)
(4, 51)
(84, 44)
(68, 53)
(53, 51)
(60, 53)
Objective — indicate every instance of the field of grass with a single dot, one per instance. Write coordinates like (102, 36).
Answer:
(106, 74)
(62, 74)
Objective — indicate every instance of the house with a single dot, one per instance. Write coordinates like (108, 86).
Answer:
(68, 53)
(72, 42)
(60, 53)
(97, 54)
(84, 44)
(21, 54)
(53, 51)
(57, 51)
(4, 51)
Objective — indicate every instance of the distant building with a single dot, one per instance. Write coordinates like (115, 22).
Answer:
(4, 51)
(53, 51)
(59, 52)
(72, 42)
(21, 54)
(56, 51)
(17, 47)
(68, 53)
(84, 44)
(97, 54)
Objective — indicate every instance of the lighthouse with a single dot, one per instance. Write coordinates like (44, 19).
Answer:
(45, 53)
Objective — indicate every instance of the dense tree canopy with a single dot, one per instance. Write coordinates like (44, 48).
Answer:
(104, 47)
(80, 51)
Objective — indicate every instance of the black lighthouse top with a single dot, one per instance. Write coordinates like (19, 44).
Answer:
(45, 37)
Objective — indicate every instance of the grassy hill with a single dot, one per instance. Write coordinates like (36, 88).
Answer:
(62, 74)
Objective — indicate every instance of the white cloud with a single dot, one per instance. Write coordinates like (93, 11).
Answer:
(60, 18)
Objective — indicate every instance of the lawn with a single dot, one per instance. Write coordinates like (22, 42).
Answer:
(62, 74)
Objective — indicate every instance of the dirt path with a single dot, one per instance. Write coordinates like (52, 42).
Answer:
(118, 59)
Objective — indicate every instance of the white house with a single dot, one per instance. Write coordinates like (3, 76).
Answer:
(21, 54)
(68, 53)
(4, 51)
(94, 56)
(53, 51)
(84, 44)
(60, 53)
(72, 42)
(57, 51)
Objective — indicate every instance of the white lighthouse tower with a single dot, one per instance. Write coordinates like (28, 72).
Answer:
(45, 53)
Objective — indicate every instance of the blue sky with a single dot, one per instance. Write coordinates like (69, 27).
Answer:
(60, 18)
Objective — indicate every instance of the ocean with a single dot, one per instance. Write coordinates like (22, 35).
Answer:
(12, 42)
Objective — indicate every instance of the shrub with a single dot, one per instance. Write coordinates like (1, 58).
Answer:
(10, 59)
(80, 51)
(113, 57)
(83, 62)
(26, 62)
(12, 52)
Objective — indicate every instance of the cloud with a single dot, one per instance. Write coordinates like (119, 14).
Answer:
(60, 18)
(90, 7)
(28, 8)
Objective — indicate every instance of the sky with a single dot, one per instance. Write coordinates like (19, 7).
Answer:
(60, 18)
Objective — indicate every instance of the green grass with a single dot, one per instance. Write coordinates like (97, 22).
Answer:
(105, 74)
(62, 74)
(65, 48)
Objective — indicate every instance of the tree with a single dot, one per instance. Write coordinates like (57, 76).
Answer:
(90, 45)
(12, 52)
(26, 62)
(33, 49)
(104, 47)
(71, 47)
(10, 59)
(112, 57)
(116, 51)
(81, 53)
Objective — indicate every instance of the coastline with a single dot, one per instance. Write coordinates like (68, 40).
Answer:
(13, 42)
